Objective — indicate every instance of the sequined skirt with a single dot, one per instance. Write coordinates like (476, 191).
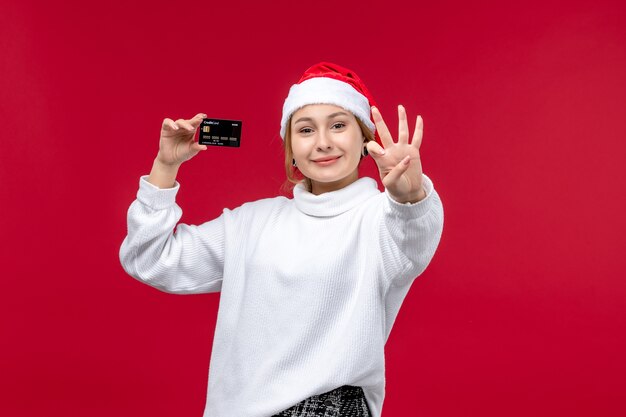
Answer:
(345, 401)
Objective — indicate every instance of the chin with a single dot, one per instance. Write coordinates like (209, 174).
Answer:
(328, 178)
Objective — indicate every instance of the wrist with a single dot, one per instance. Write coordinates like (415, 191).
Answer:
(163, 175)
(410, 198)
(162, 162)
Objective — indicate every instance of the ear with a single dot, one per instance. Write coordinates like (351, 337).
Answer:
(364, 151)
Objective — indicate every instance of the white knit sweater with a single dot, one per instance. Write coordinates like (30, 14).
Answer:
(310, 286)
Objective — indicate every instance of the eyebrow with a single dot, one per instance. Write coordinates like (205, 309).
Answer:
(330, 116)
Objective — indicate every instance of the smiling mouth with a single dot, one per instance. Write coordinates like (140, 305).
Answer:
(323, 160)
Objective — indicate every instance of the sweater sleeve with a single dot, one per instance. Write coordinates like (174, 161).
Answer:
(410, 234)
(187, 260)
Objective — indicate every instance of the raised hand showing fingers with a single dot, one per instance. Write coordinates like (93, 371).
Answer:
(177, 143)
(399, 162)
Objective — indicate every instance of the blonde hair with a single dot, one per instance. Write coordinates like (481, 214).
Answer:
(294, 176)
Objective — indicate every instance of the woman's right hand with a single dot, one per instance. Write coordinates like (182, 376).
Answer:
(177, 143)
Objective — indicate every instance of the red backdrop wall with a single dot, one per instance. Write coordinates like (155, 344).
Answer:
(521, 312)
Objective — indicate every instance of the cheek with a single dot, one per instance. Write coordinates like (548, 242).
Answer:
(300, 148)
(296, 150)
(353, 146)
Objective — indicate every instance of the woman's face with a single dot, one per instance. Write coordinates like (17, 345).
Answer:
(326, 141)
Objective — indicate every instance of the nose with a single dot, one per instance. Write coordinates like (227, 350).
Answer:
(323, 141)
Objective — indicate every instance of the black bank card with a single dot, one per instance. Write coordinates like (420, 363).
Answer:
(218, 132)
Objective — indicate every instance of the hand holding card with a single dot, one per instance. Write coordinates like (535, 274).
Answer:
(177, 144)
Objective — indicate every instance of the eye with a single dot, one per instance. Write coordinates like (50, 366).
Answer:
(338, 125)
(305, 130)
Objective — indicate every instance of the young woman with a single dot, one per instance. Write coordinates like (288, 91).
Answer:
(310, 286)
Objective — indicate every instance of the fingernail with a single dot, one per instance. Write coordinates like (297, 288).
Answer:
(382, 152)
(407, 160)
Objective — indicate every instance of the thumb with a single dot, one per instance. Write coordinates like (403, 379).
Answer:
(197, 147)
(396, 173)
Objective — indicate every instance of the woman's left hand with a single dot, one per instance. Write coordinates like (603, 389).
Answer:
(399, 162)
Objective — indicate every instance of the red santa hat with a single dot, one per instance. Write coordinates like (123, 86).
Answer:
(327, 83)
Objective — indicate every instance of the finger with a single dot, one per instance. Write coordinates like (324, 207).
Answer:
(419, 132)
(381, 127)
(196, 146)
(394, 175)
(374, 148)
(169, 124)
(403, 126)
(197, 119)
(185, 125)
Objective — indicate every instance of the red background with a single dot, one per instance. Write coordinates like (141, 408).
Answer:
(521, 312)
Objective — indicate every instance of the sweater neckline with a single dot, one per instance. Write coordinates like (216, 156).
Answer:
(337, 202)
